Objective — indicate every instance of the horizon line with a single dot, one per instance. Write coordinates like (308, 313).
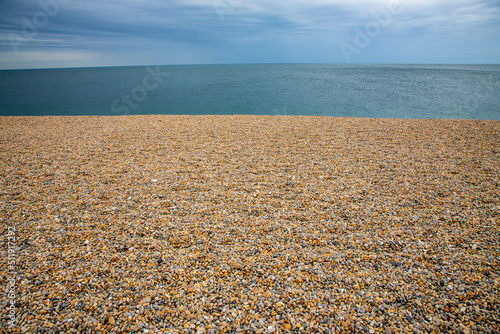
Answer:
(223, 64)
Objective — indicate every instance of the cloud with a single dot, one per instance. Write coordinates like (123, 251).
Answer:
(452, 17)
(132, 31)
(59, 58)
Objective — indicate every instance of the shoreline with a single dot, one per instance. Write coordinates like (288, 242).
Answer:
(252, 224)
(250, 115)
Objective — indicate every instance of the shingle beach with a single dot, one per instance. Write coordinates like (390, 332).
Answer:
(251, 224)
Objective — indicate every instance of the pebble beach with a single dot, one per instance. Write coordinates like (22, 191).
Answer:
(249, 224)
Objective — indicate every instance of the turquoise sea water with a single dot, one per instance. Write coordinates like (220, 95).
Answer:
(382, 91)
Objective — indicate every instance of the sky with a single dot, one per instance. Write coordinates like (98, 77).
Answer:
(72, 33)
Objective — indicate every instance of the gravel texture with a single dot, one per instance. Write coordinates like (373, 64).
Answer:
(251, 224)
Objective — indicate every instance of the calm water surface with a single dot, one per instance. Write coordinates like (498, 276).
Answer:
(382, 91)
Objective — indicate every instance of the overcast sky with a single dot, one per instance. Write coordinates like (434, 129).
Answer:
(65, 33)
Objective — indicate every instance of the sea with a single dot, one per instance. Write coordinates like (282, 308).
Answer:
(352, 90)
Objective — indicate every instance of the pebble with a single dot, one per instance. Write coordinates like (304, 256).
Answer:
(252, 224)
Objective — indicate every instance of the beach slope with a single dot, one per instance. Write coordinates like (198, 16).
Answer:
(253, 224)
